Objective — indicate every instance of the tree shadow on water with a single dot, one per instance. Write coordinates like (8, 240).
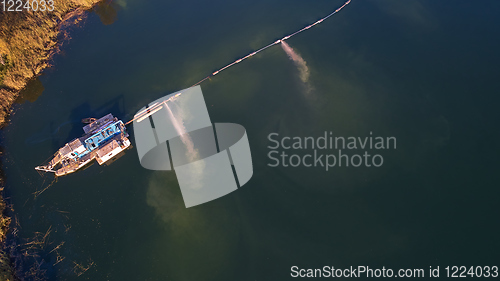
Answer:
(31, 92)
(107, 11)
(114, 106)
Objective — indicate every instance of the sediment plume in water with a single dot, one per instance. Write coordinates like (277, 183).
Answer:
(298, 60)
(191, 152)
(272, 44)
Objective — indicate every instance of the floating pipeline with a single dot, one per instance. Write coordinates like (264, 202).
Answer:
(272, 44)
(156, 107)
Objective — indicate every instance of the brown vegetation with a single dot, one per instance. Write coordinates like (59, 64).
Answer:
(28, 40)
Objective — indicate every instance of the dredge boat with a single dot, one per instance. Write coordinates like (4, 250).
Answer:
(104, 139)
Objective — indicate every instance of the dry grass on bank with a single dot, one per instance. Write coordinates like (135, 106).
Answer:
(27, 42)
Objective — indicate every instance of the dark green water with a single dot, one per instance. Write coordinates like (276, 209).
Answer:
(425, 72)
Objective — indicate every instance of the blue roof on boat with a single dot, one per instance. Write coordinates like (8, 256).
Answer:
(104, 134)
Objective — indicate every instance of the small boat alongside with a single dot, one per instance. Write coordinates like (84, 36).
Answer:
(104, 139)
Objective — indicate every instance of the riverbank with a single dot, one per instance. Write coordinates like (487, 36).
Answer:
(28, 41)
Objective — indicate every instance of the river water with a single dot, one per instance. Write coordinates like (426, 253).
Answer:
(423, 72)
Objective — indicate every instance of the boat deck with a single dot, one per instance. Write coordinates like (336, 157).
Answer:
(103, 139)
